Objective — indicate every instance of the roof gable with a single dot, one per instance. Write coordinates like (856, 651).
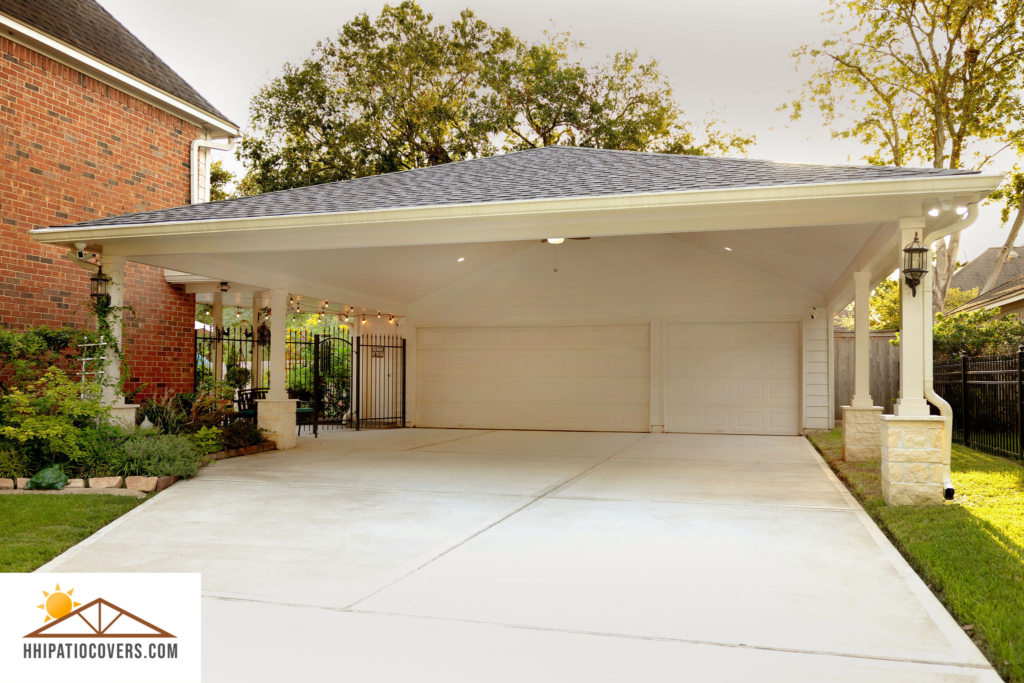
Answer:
(976, 272)
(89, 28)
(555, 172)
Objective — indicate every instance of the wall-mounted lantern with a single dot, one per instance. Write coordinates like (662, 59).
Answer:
(915, 264)
(98, 285)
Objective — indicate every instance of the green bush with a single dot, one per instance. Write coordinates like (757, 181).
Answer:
(13, 463)
(208, 440)
(189, 412)
(242, 433)
(103, 448)
(161, 456)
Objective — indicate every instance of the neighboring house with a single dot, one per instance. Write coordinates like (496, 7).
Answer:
(94, 125)
(1007, 297)
(974, 274)
(697, 296)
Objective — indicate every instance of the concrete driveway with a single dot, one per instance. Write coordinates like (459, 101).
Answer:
(468, 555)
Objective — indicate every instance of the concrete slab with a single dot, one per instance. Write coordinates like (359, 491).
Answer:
(573, 444)
(542, 556)
(363, 647)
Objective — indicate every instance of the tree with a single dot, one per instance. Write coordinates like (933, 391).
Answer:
(885, 306)
(1010, 193)
(220, 177)
(398, 92)
(956, 297)
(540, 95)
(920, 81)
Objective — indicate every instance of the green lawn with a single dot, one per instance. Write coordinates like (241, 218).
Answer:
(970, 550)
(35, 529)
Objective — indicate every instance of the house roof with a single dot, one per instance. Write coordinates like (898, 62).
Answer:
(974, 274)
(1012, 289)
(556, 172)
(87, 27)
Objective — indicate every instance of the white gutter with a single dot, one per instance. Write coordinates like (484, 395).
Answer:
(929, 376)
(194, 165)
(744, 199)
(110, 75)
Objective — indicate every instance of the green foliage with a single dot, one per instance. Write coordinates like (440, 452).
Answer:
(956, 297)
(919, 80)
(45, 418)
(14, 463)
(26, 355)
(187, 413)
(885, 306)
(399, 92)
(161, 456)
(208, 440)
(976, 333)
(242, 433)
(220, 178)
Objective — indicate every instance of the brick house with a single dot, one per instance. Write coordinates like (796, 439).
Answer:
(93, 124)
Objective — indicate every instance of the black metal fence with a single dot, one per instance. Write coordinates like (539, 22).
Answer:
(987, 396)
(325, 370)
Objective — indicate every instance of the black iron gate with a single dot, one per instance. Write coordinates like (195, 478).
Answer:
(339, 381)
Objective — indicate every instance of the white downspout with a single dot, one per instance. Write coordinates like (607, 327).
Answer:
(194, 165)
(929, 380)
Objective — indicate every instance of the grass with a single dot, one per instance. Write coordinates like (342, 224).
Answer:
(970, 551)
(35, 529)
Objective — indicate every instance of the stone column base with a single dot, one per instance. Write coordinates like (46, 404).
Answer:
(123, 414)
(862, 435)
(278, 418)
(913, 469)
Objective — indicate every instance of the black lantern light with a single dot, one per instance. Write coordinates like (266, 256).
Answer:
(915, 264)
(98, 284)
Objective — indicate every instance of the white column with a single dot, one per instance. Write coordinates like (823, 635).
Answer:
(278, 339)
(257, 350)
(218, 325)
(862, 341)
(114, 267)
(911, 401)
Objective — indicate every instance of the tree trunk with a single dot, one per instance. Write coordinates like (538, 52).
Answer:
(945, 264)
(997, 267)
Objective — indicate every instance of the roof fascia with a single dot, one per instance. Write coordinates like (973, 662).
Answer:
(101, 71)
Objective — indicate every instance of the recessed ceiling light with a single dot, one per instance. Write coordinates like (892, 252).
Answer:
(961, 210)
(555, 240)
(933, 212)
(728, 248)
(461, 259)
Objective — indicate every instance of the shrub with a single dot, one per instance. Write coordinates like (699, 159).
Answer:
(13, 463)
(208, 440)
(242, 433)
(187, 413)
(161, 456)
(103, 449)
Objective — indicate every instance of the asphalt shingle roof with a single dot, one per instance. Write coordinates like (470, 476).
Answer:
(1012, 286)
(86, 26)
(545, 173)
(974, 274)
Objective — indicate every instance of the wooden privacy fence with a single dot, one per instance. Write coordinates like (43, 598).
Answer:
(885, 370)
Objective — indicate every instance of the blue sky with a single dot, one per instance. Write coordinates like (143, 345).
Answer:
(728, 55)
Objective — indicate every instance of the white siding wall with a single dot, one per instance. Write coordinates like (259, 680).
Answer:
(646, 279)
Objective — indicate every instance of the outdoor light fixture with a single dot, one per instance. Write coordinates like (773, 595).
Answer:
(224, 287)
(915, 267)
(961, 210)
(555, 240)
(933, 212)
(728, 248)
(98, 284)
(461, 259)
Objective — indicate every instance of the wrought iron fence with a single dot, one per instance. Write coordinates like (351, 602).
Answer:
(987, 396)
(325, 370)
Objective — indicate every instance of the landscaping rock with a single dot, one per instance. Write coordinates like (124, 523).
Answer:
(75, 484)
(164, 482)
(22, 481)
(106, 483)
(6, 484)
(144, 484)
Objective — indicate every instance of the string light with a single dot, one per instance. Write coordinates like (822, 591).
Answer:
(378, 315)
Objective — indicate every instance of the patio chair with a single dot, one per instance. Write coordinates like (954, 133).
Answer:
(246, 401)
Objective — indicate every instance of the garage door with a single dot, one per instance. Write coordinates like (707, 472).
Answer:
(733, 378)
(588, 378)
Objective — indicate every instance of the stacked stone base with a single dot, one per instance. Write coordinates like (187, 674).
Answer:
(913, 466)
(278, 418)
(862, 435)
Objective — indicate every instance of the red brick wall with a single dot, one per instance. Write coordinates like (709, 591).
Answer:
(74, 150)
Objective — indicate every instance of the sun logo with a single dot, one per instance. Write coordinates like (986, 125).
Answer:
(58, 603)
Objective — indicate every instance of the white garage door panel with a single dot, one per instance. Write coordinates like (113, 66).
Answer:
(734, 378)
(593, 378)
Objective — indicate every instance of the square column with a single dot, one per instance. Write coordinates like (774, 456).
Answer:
(912, 310)
(913, 468)
(114, 267)
(276, 413)
(217, 313)
(862, 439)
